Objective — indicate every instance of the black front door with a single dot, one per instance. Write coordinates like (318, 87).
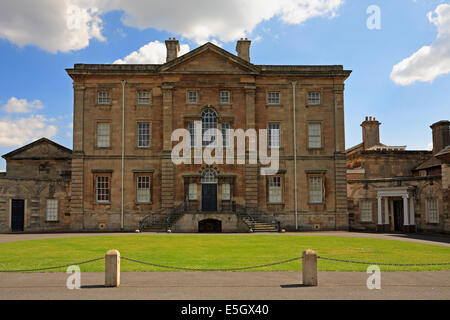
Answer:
(398, 215)
(17, 215)
(209, 197)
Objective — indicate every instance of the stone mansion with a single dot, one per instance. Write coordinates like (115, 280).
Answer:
(120, 175)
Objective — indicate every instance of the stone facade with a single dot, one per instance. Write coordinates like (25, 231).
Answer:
(207, 70)
(36, 173)
(392, 189)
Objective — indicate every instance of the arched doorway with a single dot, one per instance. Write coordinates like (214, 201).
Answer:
(210, 225)
(209, 190)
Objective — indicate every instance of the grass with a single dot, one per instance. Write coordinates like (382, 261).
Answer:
(220, 251)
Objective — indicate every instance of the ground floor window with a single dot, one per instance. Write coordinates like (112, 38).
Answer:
(226, 192)
(143, 189)
(192, 191)
(102, 188)
(365, 207)
(315, 190)
(52, 210)
(432, 211)
(275, 190)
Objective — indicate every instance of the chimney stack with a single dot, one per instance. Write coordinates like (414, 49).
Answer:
(441, 135)
(173, 49)
(243, 49)
(370, 132)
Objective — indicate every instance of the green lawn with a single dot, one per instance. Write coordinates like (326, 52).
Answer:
(219, 251)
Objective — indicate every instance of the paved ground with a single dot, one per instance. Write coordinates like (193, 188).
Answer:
(228, 286)
(430, 239)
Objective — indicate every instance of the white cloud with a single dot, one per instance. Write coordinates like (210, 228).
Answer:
(428, 62)
(15, 105)
(44, 23)
(152, 53)
(49, 24)
(17, 132)
(429, 146)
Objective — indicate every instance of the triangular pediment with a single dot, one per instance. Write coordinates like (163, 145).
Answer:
(40, 149)
(209, 58)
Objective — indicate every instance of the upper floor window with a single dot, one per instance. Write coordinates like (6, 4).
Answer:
(365, 207)
(432, 211)
(191, 128)
(209, 121)
(226, 134)
(314, 98)
(225, 97)
(192, 97)
(52, 210)
(274, 135)
(103, 97)
(273, 98)
(103, 135)
(102, 189)
(144, 97)
(315, 190)
(314, 136)
(275, 190)
(143, 189)
(143, 135)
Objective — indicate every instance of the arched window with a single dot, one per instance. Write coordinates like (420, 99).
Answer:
(209, 121)
(209, 176)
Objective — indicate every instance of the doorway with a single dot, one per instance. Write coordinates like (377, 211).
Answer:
(209, 190)
(398, 215)
(210, 226)
(17, 215)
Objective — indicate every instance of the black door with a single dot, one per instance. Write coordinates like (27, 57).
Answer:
(209, 197)
(17, 215)
(398, 215)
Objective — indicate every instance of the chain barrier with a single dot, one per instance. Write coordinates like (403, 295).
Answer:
(50, 268)
(202, 269)
(386, 264)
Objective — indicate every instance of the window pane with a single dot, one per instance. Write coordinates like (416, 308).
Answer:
(192, 96)
(366, 210)
(144, 97)
(143, 189)
(275, 191)
(225, 134)
(314, 98)
(209, 121)
(103, 130)
(274, 135)
(273, 98)
(103, 97)
(144, 135)
(314, 135)
(226, 195)
(224, 97)
(432, 211)
(52, 210)
(315, 189)
(102, 189)
(192, 191)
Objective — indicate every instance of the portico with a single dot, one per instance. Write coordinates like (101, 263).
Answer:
(399, 210)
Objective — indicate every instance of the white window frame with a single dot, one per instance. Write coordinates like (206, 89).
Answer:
(274, 135)
(365, 210)
(314, 98)
(314, 137)
(143, 189)
(144, 97)
(103, 138)
(315, 190)
(142, 134)
(51, 213)
(192, 97)
(100, 183)
(103, 97)
(432, 206)
(224, 97)
(273, 97)
(275, 192)
(192, 194)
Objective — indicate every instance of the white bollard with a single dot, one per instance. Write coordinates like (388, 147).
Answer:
(309, 268)
(112, 268)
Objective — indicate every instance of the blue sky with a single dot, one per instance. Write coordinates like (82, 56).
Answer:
(34, 58)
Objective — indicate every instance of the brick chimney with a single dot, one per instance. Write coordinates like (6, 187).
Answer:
(173, 48)
(243, 49)
(370, 132)
(441, 135)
